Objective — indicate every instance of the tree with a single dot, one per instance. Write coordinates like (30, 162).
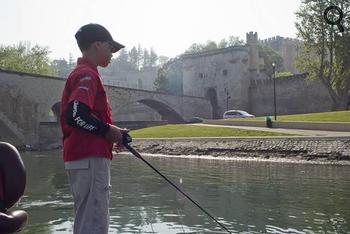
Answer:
(161, 82)
(71, 62)
(235, 41)
(212, 45)
(153, 58)
(282, 74)
(146, 59)
(24, 58)
(139, 56)
(170, 77)
(194, 48)
(134, 58)
(270, 56)
(223, 43)
(131, 61)
(61, 67)
(325, 53)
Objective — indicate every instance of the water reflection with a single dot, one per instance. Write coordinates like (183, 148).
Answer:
(246, 196)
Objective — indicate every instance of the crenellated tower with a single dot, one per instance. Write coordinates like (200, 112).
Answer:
(252, 42)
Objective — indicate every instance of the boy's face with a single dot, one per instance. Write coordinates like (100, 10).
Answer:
(104, 53)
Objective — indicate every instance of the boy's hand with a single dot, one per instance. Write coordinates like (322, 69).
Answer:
(114, 135)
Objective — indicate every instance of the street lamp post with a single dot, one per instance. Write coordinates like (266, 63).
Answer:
(227, 98)
(274, 88)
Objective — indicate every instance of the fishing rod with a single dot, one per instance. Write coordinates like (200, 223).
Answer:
(127, 139)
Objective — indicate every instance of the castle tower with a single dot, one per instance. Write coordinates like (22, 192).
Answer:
(252, 42)
(286, 48)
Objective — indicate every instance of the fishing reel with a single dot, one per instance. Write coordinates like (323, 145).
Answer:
(126, 139)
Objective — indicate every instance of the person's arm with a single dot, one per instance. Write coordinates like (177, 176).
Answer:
(79, 115)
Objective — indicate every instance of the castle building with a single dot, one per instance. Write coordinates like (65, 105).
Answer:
(223, 75)
(234, 78)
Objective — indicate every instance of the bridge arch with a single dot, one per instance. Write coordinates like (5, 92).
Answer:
(164, 110)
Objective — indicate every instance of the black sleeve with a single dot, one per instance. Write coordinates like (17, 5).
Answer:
(79, 115)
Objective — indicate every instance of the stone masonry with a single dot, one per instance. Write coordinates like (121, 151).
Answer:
(307, 148)
(27, 99)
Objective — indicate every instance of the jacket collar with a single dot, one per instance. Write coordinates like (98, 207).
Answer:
(87, 62)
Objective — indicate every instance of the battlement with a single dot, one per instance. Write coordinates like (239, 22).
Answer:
(252, 37)
(215, 51)
(278, 40)
(268, 82)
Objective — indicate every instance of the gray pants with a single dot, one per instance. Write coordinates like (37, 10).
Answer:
(89, 180)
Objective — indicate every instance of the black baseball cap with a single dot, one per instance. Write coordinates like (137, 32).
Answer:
(90, 33)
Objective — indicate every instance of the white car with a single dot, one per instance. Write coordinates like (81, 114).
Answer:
(236, 114)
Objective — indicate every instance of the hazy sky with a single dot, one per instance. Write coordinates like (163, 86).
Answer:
(169, 26)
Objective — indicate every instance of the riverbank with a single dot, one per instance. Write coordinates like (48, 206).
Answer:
(320, 149)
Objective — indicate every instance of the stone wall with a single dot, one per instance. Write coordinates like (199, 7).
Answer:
(224, 70)
(232, 77)
(19, 93)
(309, 148)
(294, 95)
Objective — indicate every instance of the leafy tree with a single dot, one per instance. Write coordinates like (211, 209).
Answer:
(134, 58)
(153, 58)
(175, 77)
(223, 43)
(197, 48)
(194, 48)
(283, 74)
(325, 53)
(149, 58)
(71, 62)
(235, 41)
(24, 58)
(212, 45)
(123, 55)
(161, 82)
(169, 78)
(146, 58)
(119, 64)
(270, 56)
(139, 56)
(61, 67)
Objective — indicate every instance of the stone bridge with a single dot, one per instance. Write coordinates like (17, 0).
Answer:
(26, 100)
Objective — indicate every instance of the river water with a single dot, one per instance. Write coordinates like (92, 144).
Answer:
(246, 196)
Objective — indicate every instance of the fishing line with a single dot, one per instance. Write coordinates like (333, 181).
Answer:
(127, 139)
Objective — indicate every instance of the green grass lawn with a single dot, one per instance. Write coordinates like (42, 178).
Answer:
(335, 116)
(183, 130)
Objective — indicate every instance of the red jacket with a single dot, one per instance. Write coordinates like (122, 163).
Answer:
(84, 84)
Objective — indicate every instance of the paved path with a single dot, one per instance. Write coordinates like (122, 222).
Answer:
(301, 132)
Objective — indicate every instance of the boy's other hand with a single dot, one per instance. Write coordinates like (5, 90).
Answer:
(115, 135)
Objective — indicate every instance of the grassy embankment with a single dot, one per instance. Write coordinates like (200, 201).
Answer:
(183, 130)
(335, 116)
